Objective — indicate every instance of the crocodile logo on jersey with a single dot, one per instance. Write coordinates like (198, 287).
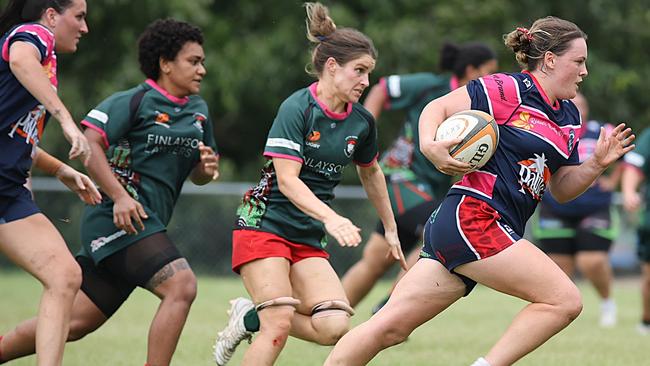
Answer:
(350, 145)
(523, 121)
(162, 119)
(534, 176)
(199, 120)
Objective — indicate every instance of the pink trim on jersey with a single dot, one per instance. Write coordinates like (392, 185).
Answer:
(366, 165)
(502, 92)
(99, 130)
(282, 156)
(555, 105)
(46, 37)
(537, 123)
(333, 115)
(479, 182)
(166, 94)
(454, 83)
(384, 88)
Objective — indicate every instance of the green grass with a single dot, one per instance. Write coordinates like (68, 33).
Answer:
(456, 337)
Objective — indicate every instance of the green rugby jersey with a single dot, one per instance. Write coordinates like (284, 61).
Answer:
(150, 153)
(640, 158)
(412, 92)
(324, 142)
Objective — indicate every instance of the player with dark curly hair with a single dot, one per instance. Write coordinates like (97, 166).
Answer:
(140, 163)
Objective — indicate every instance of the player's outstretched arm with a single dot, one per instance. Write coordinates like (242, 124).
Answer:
(74, 180)
(569, 182)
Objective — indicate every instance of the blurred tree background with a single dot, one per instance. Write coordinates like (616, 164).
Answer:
(257, 52)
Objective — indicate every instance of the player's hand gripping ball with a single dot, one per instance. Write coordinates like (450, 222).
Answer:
(479, 133)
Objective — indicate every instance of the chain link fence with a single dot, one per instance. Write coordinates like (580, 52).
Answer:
(204, 217)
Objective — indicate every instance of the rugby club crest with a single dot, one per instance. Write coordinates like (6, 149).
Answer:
(199, 120)
(350, 145)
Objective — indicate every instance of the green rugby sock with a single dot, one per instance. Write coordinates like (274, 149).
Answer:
(252, 321)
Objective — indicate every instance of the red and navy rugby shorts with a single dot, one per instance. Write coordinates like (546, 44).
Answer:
(465, 229)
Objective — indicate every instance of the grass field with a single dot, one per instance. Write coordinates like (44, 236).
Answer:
(456, 337)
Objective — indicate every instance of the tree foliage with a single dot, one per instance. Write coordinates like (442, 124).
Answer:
(257, 51)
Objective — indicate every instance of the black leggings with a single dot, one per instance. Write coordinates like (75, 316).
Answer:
(109, 283)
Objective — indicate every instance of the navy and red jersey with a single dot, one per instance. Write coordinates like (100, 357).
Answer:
(595, 198)
(536, 139)
(22, 117)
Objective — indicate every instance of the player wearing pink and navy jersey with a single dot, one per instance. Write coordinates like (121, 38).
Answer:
(31, 32)
(475, 235)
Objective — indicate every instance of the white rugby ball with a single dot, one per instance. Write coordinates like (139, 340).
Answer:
(479, 132)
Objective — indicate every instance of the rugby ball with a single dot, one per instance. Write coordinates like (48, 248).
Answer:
(479, 132)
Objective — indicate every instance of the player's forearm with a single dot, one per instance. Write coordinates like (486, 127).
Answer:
(631, 179)
(303, 198)
(46, 162)
(374, 183)
(431, 117)
(571, 181)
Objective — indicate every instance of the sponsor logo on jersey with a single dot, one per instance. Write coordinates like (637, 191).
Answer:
(534, 176)
(508, 229)
(536, 123)
(350, 145)
(314, 136)
(312, 139)
(572, 140)
(176, 145)
(162, 119)
(50, 71)
(499, 82)
(98, 243)
(30, 126)
(324, 167)
(523, 121)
